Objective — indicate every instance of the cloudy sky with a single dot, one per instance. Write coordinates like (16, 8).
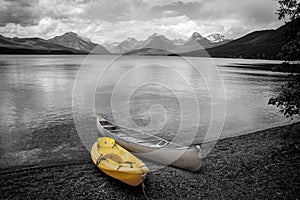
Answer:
(102, 20)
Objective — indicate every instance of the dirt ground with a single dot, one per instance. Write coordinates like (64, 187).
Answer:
(261, 165)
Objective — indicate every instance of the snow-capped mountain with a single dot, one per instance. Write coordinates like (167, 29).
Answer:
(197, 39)
(178, 41)
(216, 37)
(196, 36)
(124, 46)
(258, 44)
(158, 41)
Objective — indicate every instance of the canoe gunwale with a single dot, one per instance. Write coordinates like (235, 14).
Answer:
(190, 156)
(110, 134)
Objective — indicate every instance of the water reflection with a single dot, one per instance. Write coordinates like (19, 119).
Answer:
(36, 93)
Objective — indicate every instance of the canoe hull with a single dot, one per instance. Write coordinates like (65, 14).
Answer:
(190, 157)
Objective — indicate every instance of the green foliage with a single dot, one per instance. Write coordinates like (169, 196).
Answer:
(289, 98)
(291, 50)
(290, 8)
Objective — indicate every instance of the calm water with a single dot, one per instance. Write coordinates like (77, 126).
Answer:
(158, 94)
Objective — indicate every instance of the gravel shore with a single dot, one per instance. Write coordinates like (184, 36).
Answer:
(261, 165)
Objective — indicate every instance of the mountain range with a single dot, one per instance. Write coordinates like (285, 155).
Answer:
(158, 41)
(33, 46)
(264, 44)
(259, 44)
(68, 43)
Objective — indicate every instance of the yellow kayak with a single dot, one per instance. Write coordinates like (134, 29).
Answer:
(117, 162)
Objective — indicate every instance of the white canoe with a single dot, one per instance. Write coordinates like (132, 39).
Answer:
(152, 147)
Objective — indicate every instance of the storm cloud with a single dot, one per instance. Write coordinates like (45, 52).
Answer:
(190, 9)
(99, 20)
(19, 12)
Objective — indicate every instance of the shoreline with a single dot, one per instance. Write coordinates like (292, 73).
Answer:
(78, 159)
(263, 164)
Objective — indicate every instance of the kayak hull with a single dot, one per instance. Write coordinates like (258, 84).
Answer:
(118, 163)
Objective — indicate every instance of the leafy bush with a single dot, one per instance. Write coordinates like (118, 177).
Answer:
(289, 98)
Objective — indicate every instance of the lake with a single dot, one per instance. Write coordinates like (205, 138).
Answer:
(175, 98)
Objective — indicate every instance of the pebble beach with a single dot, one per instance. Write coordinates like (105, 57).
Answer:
(260, 165)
